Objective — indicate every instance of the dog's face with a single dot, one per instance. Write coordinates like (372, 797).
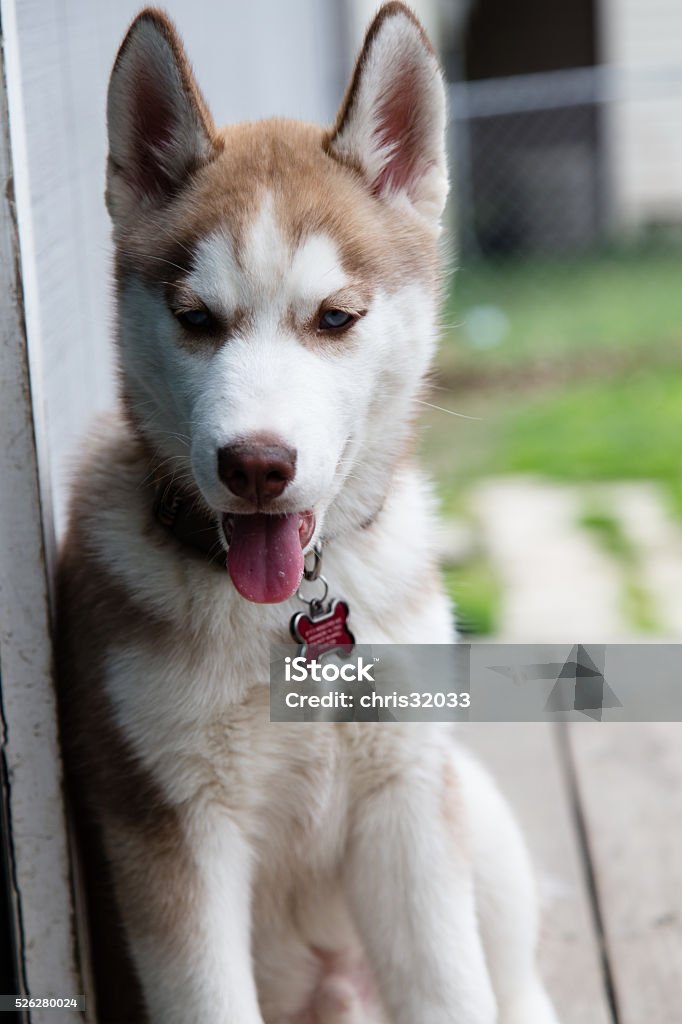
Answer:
(278, 289)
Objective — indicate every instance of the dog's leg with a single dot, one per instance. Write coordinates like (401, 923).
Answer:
(410, 886)
(184, 895)
(506, 898)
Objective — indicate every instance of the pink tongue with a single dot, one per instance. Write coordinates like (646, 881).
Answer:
(265, 559)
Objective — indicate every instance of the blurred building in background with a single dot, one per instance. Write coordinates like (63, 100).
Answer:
(567, 123)
(642, 42)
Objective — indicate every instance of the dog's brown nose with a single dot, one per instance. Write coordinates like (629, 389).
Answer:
(256, 470)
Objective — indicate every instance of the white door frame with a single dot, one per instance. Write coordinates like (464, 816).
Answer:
(35, 837)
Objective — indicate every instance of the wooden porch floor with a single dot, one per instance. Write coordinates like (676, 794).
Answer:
(601, 807)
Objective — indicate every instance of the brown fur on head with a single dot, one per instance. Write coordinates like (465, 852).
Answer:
(158, 82)
(270, 205)
(164, 145)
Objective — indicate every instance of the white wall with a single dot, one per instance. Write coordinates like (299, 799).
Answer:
(253, 59)
(642, 40)
(428, 11)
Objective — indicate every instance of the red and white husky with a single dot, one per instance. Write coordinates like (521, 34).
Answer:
(277, 287)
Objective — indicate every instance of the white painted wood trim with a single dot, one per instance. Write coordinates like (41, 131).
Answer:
(38, 838)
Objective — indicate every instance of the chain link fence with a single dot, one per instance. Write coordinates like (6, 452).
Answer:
(559, 162)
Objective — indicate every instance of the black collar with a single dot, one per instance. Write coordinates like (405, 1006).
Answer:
(184, 515)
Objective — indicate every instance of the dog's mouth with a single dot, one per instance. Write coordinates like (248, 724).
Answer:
(265, 556)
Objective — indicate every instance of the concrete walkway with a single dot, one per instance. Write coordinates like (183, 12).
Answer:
(644, 517)
(558, 584)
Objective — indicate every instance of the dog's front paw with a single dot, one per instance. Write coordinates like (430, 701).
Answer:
(531, 1006)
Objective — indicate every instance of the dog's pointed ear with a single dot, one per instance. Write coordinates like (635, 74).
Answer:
(159, 126)
(391, 125)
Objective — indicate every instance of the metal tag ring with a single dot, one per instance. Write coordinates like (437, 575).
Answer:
(317, 601)
(314, 572)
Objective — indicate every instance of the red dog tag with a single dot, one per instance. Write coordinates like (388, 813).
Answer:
(323, 631)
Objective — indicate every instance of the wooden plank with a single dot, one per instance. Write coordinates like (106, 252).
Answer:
(35, 830)
(526, 761)
(630, 781)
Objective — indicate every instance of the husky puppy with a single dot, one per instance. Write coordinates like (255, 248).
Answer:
(277, 293)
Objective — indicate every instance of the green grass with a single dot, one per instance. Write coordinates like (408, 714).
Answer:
(554, 308)
(609, 534)
(476, 593)
(625, 427)
(637, 604)
(638, 610)
(576, 420)
(584, 385)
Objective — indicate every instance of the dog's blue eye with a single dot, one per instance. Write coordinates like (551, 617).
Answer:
(333, 319)
(195, 319)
